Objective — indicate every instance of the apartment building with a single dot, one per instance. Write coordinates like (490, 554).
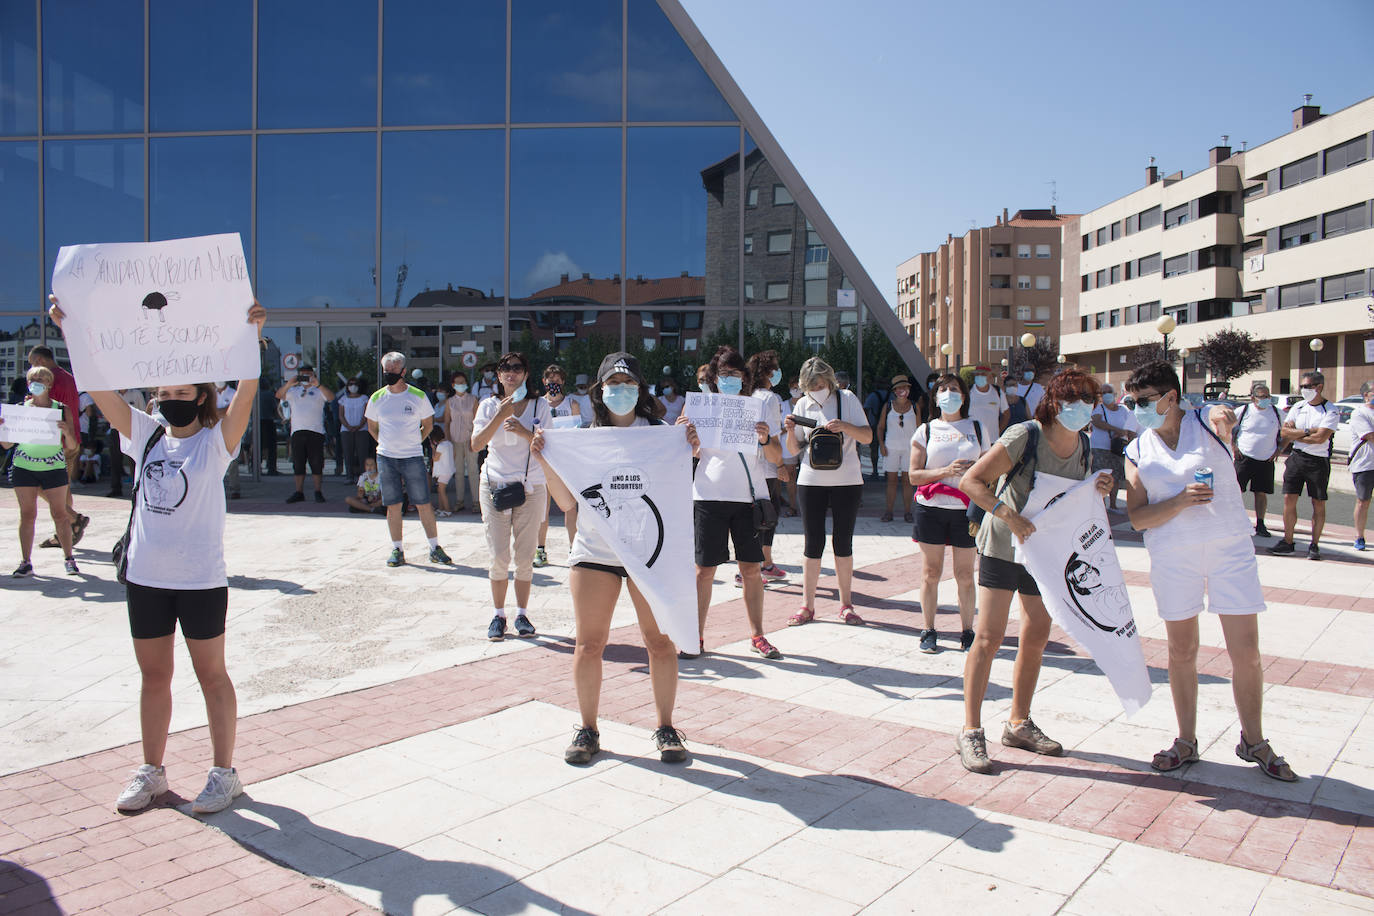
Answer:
(981, 291)
(1239, 243)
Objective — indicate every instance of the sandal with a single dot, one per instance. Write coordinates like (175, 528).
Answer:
(848, 616)
(805, 615)
(1175, 756)
(1270, 764)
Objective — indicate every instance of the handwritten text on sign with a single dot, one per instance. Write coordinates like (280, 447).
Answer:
(145, 314)
(29, 425)
(725, 421)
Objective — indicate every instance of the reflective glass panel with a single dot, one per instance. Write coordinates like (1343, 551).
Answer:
(92, 66)
(427, 78)
(565, 60)
(18, 69)
(200, 186)
(21, 283)
(443, 218)
(18, 334)
(469, 346)
(665, 81)
(563, 327)
(317, 66)
(93, 192)
(316, 220)
(350, 352)
(421, 345)
(565, 212)
(200, 73)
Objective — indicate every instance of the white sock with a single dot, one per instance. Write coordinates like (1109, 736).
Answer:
(396, 544)
(499, 612)
(519, 612)
(433, 542)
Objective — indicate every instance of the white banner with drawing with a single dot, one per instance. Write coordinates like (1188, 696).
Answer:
(634, 490)
(30, 425)
(1073, 559)
(145, 314)
(725, 422)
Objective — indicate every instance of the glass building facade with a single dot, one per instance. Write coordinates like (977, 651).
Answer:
(448, 179)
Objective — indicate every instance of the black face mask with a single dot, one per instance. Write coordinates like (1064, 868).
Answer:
(179, 413)
(392, 378)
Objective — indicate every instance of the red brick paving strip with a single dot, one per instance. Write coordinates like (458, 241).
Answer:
(58, 822)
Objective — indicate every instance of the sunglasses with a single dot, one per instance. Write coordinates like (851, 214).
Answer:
(1132, 402)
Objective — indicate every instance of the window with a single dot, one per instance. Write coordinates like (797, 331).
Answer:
(1255, 190)
(1023, 251)
(1116, 231)
(781, 195)
(1147, 265)
(1100, 280)
(999, 342)
(1209, 204)
(1299, 233)
(1114, 317)
(748, 291)
(752, 198)
(1217, 256)
(1023, 282)
(1347, 219)
(1023, 313)
(1176, 217)
(1086, 283)
(1148, 219)
(1175, 266)
(780, 242)
(1128, 315)
(749, 243)
(1102, 236)
(1100, 320)
(1347, 153)
(1130, 269)
(1298, 294)
(999, 311)
(1042, 282)
(1042, 251)
(1147, 311)
(815, 292)
(1083, 324)
(1087, 242)
(1116, 274)
(1345, 286)
(1042, 313)
(998, 251)
(1298, 172)
(999, 281)
(776, 291)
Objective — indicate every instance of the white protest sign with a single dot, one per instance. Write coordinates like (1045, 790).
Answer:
(725, 422)
(568, 422)
(634, 493)
(1072, 557)
(30, 425)
(145, 314)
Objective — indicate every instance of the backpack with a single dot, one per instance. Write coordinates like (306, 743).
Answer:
(1020, 413)
(825, 447)
(1240, 418)
(1030, 456)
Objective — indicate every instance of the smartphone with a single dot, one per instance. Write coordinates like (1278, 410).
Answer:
(802, 421)
(302, 377)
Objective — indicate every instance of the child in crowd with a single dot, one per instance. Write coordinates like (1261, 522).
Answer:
(90, 465)
(442, 469)
(369, 495)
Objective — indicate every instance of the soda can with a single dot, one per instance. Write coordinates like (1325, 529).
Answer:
(1204, 476)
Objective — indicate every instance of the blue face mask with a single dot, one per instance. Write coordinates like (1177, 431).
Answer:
(1108, 398)
(519, 393)
(1149, 417)
(1264, 403)
(775, 378)
(981, 381)
(728, 384)
(949, 401)
(620, 399)
(1028, 376)
(37, 389)
(1075, 415)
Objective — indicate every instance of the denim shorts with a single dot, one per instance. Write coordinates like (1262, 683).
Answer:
(411, 472)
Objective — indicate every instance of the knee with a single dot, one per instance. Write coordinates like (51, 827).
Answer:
(1035, 631)
(590, 648)
(1183, 649)
(933, 569)
(58, 511)
(660, 646)
(748, 570)
(28, 513)
(156, 677)
(707, 574)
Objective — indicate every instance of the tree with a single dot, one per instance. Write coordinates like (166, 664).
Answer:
(1230, 353)
(1149, 351)
(1042, 357)
(345, 356)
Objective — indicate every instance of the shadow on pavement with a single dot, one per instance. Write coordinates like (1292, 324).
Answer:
(22, 889)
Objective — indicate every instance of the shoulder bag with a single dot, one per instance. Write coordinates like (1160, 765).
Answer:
(119, 554)
(512, 495)
(765, 513)
(825, 447)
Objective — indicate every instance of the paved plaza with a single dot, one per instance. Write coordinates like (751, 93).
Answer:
(396, 760)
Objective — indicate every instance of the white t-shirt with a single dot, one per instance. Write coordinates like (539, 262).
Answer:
(987, 408)
(224, 398)
(590, 547)
(850, 411)
(443, 460)
(1309, 416)
(1117, 416)
(354, 408)
(672, 409)
(135, 399)
(772, 415)
(370, 484)
(950, 442)
(1031, 394)
(1361, 425)
(307, 408)
(1165, 474)
(721, 475)
(398, 416)
(178, 529)
(1257, 433)
(584, 407)
(508, 454)
(83, 401)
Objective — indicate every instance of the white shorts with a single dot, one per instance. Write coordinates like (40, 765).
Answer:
(897, 462)
(443, 475)
(1225, 570)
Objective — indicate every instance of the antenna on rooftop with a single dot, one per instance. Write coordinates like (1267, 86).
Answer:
(1054, 192)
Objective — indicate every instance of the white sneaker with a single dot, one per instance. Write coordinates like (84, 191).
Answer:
(221, 788)
(148, 783)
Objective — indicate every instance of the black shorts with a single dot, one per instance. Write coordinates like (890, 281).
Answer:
(50, 479)
(775, 495)
(603, 567)
(1304, 469)
(307, 446)
(1006, 576)
(1254, 475)
(941, 527)
(155, 612)
(1364, 484)
(716, 523)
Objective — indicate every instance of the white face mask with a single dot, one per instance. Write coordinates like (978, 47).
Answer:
(1309, 394)
(796, 393)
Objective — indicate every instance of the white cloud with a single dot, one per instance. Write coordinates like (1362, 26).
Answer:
(549, 269)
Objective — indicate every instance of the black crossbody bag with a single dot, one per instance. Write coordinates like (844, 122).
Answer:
(826, 448)
(119, 554)
(765, 513)
(512, 495)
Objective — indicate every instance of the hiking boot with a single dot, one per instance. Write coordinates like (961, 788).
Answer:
(1283, 548)
(965, 640)
(297, 497)
(973, 751)
(437, 555)
(928, 645)
(541, 558)
(763, 647)
(496, 631)
(669, 744)
(221, 788)
(586, 743)
(523, 628)
(1028, 737)
(397, 557)
(1314, 552)
(148, 783)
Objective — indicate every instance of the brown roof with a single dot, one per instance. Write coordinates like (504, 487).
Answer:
(1059, 220)
(638, 290)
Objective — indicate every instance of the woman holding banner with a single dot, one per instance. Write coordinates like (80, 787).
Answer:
(620, 398)
(176, 569)
(1061, 452)
(1198, 536)
(42, 469)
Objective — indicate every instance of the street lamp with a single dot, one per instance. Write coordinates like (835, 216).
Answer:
(1183, 368)
(946, 349)
(1315, 345)
(1165, 325)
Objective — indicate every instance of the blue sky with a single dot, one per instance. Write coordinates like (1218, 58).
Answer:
(911, 120)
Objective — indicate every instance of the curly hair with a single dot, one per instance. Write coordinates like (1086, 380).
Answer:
(1069, 385)
(727, 357)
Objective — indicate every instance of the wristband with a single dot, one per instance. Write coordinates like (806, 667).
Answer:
(999, 505)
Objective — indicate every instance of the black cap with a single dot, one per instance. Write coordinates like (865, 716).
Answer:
(619, 362)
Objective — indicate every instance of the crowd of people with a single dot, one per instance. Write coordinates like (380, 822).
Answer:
(948, 448)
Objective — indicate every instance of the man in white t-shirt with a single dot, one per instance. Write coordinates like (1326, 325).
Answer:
(987, 404)
(583, 399)
(1257, 446)
(1028, 394)
(1112, 427)
(399, 416)
(224, 396)
(306, 398)
(1309, 426)
(1362, 459)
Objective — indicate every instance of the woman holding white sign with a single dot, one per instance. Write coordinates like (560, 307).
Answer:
(42, 469)
(1198, 536)
(175, 565)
